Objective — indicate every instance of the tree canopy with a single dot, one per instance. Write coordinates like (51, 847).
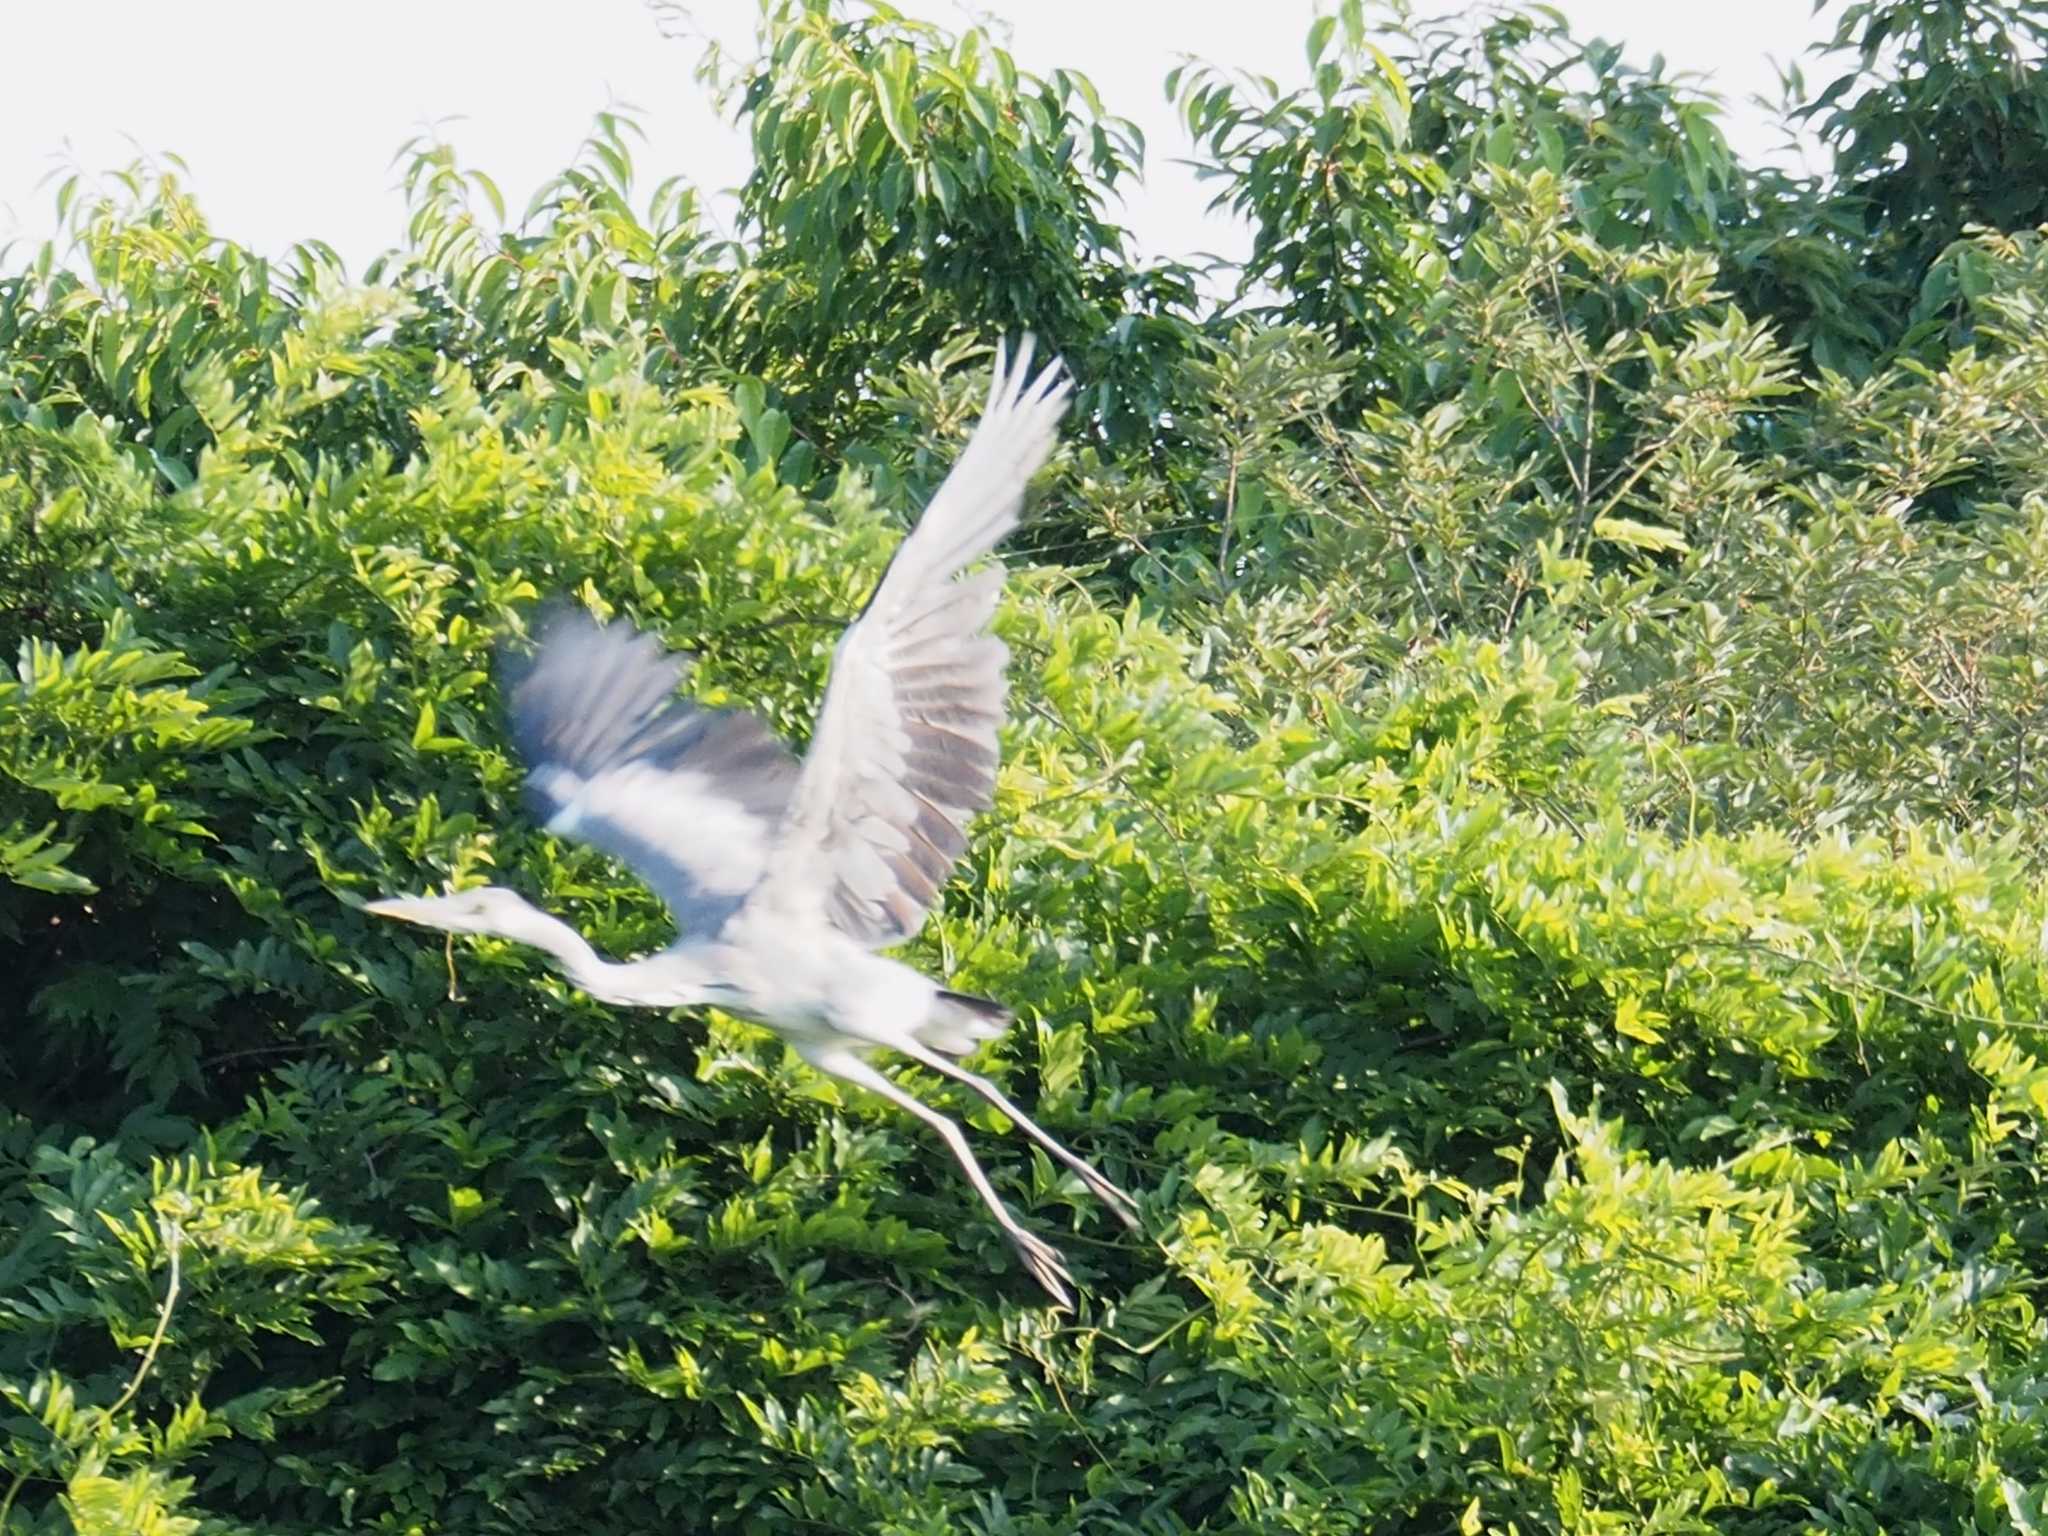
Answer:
(1520, 838)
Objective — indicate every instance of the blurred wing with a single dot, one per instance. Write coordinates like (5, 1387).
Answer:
(689, 798)
(905, 749)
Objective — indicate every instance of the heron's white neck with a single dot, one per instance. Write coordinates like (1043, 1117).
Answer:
(571, 951)
(662, 980)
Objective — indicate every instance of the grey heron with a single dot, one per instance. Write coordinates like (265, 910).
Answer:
(785, 878)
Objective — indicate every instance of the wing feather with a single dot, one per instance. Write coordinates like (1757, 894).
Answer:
(906, 747)
(689, 798)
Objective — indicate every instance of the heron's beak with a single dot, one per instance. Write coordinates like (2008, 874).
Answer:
(407, 909)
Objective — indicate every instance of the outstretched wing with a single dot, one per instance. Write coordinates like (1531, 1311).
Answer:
(690, 798)
(905, 749)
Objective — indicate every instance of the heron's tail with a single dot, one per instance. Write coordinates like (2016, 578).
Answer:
(958, 1023)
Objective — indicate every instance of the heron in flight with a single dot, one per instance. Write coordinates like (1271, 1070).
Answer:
(785, 878)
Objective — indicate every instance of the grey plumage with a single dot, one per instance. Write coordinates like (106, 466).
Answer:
(905, 750)
(690, 798)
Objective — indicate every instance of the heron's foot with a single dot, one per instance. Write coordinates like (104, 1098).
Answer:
(1121, 1205)
(1047, 1265)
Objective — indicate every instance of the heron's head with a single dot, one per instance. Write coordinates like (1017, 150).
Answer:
(486, 909)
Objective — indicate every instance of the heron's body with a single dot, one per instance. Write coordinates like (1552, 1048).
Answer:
(785, 879)
(814, 997)
(811, 995)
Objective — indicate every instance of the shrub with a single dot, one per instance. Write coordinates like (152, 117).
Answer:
(1518, 835)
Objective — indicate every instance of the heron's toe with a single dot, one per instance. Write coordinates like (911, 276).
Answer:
(1121, 1205)
(1047, 1265)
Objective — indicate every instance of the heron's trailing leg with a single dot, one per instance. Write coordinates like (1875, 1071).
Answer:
(1047, 1267)
(1125, 1208)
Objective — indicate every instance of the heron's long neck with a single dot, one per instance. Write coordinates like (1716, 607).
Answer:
(571, 951)
(670, 978)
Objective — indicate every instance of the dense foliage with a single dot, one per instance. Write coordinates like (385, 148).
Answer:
(1522, 833)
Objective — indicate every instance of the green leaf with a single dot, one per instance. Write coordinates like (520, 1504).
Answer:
(1635, 535)
(1319, 39)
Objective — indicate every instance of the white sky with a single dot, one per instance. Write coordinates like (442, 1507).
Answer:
(289, 114)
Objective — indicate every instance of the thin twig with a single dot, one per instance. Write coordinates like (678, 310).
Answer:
(1229, 519)
(174, 1239)
(13, 1492)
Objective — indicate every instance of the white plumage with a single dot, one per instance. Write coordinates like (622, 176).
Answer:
(785, 878)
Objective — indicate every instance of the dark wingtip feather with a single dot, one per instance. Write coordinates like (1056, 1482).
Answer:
(959, 1022)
